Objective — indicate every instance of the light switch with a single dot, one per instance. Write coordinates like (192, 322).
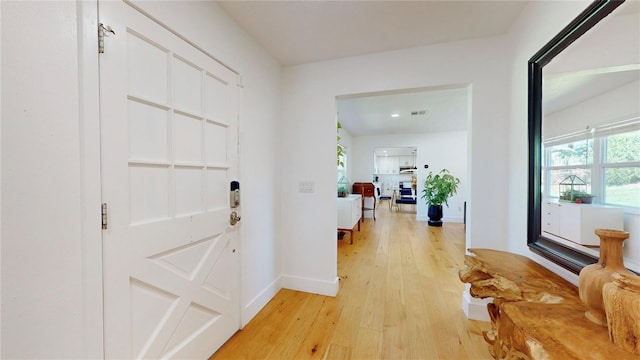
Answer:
(305, 186)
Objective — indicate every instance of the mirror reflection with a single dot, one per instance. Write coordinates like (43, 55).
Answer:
(591, 137)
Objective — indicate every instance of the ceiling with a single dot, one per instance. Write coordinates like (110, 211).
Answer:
(566, 89)
(299, 32)
(417, 111)
(578, 74)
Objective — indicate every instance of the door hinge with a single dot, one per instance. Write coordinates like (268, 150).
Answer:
(102, 30)
(104, 216)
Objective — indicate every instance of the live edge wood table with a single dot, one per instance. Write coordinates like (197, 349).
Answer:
(535, 313)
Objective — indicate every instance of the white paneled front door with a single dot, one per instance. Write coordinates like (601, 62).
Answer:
(168, 117)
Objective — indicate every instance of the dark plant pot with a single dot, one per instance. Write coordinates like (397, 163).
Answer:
(586, 199)
(435, 214)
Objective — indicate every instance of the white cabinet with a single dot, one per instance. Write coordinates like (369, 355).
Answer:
(349, 211)
(577, 222)
(550, 217)
(406, 160)
(388, 164)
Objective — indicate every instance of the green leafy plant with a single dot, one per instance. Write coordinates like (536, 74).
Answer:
(340, 149)
(572, 195)
(439, 188)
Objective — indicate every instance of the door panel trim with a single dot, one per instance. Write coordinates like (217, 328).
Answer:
(182, 37)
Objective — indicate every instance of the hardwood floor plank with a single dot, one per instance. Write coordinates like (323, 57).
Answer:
(316, 343)
(272, 319)
(293, 335)
(337, 352)
(400, 298)
(368, 344)
(373, 313)
(346, 330)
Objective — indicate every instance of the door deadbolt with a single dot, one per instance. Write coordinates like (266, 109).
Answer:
(234, 198)
(234, 218)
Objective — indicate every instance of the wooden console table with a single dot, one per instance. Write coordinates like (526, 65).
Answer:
(535, 313)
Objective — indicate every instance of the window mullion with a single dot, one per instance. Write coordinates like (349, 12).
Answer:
(621, 165)
(597, 173)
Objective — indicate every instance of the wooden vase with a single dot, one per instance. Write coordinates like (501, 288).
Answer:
(622, 305)
(593, 277)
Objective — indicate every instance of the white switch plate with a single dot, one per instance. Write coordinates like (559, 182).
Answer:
(306, 186)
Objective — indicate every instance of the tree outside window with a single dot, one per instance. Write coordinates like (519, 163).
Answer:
(621, 168)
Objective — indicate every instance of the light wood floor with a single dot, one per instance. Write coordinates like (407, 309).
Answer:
(400, 298)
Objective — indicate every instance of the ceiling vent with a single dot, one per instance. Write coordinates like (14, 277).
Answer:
(419, 112)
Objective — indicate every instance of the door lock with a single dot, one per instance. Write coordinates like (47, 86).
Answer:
(234, 198)
(234, 218)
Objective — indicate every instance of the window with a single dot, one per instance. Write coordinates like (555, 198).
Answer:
(574, 158)
(607, 159)
(621, 169)
(342, 161)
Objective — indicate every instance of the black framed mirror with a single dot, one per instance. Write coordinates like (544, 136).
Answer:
(569, 257)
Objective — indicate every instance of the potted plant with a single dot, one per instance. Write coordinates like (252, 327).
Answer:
(586, 199)
(437, 190)
(582, 197)
(566, 195)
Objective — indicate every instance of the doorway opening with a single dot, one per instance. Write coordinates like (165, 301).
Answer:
(432, 122)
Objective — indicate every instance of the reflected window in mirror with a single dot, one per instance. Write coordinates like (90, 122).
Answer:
(584, 127)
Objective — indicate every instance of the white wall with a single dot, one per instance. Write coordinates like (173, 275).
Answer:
(438, 150)
(33, 231)
(48, 303)
(0, 173)
(42, 272)
(309, 110)
(615, 105)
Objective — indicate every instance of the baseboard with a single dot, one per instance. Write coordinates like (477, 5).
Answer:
(309, 285)
(475, 309)
(257, 303)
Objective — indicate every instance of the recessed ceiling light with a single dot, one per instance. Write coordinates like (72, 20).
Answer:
(395, 115)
